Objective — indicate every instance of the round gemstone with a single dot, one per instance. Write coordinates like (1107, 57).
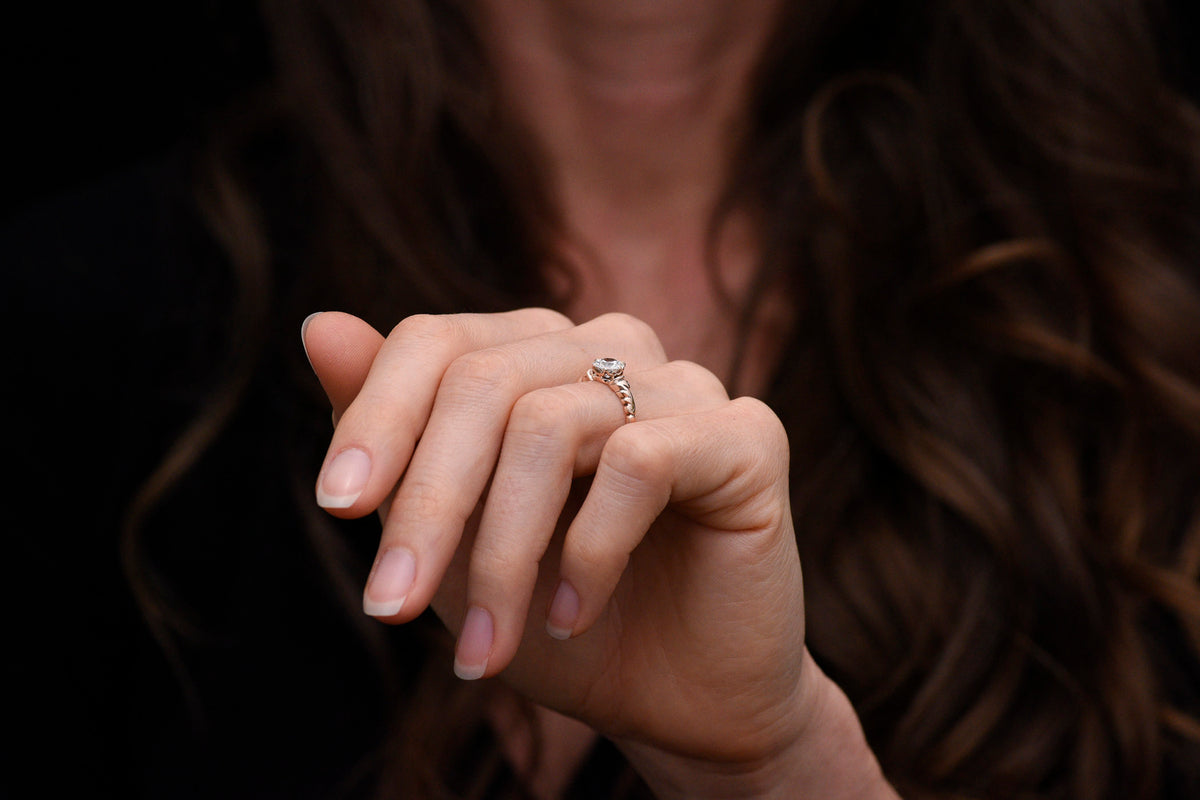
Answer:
(608, 367)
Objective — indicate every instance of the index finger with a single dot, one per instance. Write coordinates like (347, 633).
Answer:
(340, 348)
(368, 454)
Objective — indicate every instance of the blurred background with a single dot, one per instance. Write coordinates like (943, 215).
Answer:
(91, 88)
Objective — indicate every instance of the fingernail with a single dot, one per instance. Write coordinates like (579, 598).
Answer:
(344, 479)
(474, 645)
(390, 581)
(564, 611)
(304, 330)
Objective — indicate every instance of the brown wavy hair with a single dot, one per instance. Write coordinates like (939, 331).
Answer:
(989, 216)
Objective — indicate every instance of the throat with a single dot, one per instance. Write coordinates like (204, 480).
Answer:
(635, 108)
(636, 112)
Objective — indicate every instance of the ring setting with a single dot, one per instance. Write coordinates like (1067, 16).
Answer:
(611, 372)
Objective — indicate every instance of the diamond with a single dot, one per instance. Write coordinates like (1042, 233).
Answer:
(608, 367)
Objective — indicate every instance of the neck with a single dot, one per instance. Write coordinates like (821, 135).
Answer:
(637, 108)
(636, 105)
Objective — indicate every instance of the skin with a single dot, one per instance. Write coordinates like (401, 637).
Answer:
(637, 108)
(642, 578)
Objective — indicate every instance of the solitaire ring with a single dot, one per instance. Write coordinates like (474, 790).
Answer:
(611, 372)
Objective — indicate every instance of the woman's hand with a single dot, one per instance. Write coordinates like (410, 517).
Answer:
(642, 577)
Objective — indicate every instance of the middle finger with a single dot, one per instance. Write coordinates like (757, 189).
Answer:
(458, 449)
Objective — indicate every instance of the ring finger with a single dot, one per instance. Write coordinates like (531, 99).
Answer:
(553, 435)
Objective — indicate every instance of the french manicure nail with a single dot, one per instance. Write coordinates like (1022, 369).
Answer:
(304, 330)
(564, 611)
(390, 581)
(474, 644)
(344, 479)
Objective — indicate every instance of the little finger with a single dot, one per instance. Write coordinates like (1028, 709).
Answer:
(724, 469)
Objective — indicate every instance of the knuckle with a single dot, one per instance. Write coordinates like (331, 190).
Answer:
(542, 406)
(542, 413)
(547, 319)
(422, 501)
(769, 430)
(699, 381)
(638, 454)
(595, 557)
(539, 426)
(374, 414)
(500, 565)
(480, 371)
(433, 327)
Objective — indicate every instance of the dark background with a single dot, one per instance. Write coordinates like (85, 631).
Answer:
(90, 88)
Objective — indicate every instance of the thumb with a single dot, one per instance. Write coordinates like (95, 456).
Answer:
(341, 349)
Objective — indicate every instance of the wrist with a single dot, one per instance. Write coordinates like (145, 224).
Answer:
(826, 756)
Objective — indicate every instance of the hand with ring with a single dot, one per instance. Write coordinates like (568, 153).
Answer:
(660, 601)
